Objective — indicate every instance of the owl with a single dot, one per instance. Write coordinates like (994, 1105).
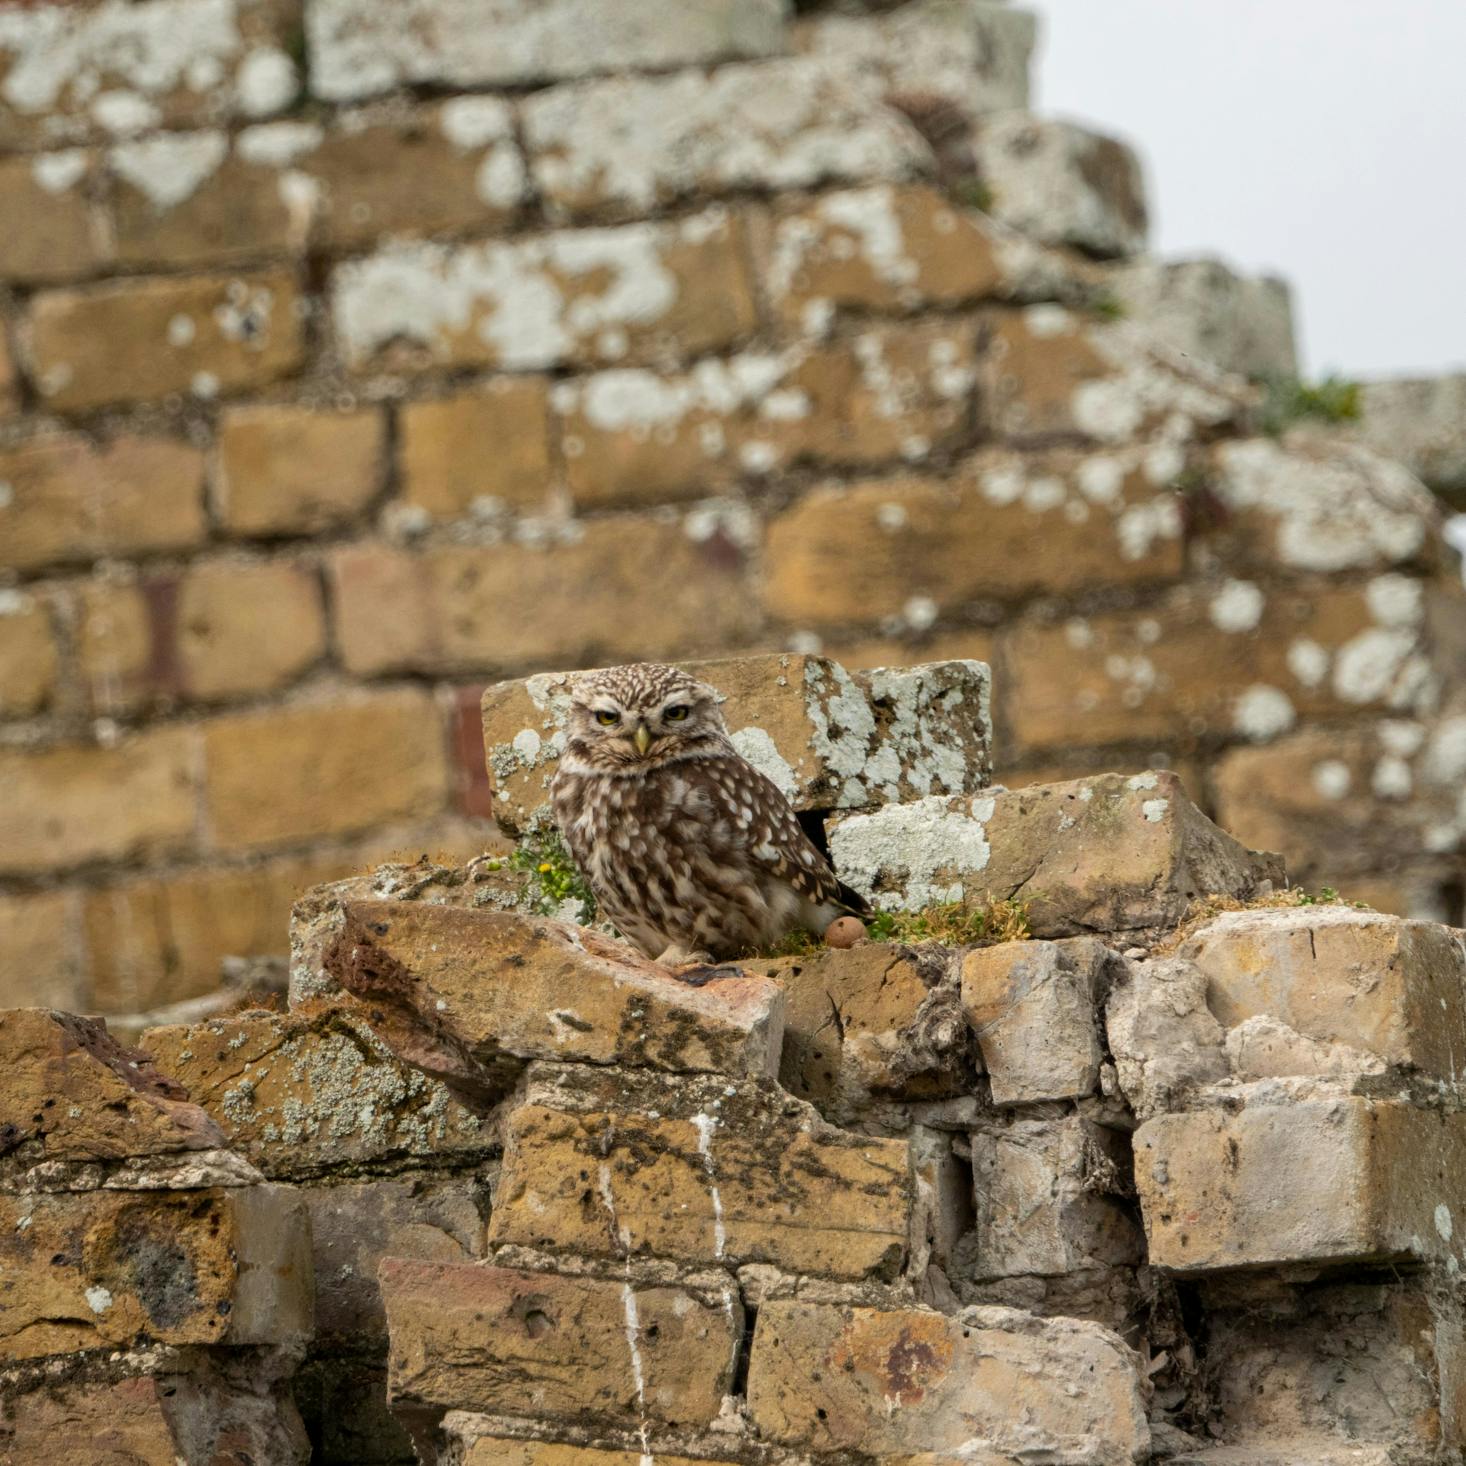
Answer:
(692, 853)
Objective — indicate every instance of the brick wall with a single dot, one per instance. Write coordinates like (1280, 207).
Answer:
(357, 354)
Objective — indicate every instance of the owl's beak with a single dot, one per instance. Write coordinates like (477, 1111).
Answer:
(642, 738)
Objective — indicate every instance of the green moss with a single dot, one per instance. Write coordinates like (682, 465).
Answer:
(1107, 306)
(972, 193)
(1290, 400)
(554, 878)
(953, 925)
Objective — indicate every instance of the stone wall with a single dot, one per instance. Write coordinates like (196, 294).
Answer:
(1172, 1170)
(356, 353)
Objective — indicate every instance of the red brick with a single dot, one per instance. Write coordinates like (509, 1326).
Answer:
(72, 805)
(460, 607)
(475, 793)
(297, 470)
(63, 500)
(138, 340)
(318, 769)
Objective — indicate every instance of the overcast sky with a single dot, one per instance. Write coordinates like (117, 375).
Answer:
(1324, 140)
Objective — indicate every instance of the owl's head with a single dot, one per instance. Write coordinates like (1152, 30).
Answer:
(641, 715)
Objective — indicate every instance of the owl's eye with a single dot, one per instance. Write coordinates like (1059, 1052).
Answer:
(676, 714)
(607, 719)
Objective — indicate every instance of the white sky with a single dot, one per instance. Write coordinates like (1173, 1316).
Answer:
(1323, 140)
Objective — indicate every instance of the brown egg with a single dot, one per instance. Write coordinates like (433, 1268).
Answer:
(844, 931)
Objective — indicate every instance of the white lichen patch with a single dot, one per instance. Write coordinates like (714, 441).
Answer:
(279, 144)
(1237, 607)
(99, 1299)
(639, 142)
(1332, 778)
(754, 744)
(863, 224)
(1147, 389)
(57, 172)
(116, 54)
(1155, 810)
(1334, 507)
(911, 856)
(1263, 712)
(169, 169)
(528, 303)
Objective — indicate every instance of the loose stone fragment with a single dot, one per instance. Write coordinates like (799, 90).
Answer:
(1032, 1005)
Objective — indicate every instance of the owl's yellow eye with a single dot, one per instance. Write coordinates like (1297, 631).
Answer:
(606, 719)
(676, 714)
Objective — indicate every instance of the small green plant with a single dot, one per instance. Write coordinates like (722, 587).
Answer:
(1107, 306)
(1326, 896)
(954, 924)
(1290, 400)
(972, 193)
(554, 877)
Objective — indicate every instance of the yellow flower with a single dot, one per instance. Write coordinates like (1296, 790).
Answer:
(545, 867)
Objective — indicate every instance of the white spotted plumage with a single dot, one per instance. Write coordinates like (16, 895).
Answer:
(691, 852)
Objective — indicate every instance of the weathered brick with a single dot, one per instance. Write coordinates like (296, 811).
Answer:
(9, 380)
(332, 768)
(361, 49)
(687, 1170)
(1341, 803)
(613, 1349)
(474, 994)
(866, 1022)
(1272, 657)
(974, 58)
(64, 500)
(478, 450)
(1312, 503)
(1419, 423)
(826, 739)
(115, 70)
(29, 666)
(458, 168)
(1048, 1200)
(74, 1094)
(1394, 989)
(1201, 307)
(1101, 855)
(462, 606)
(184, 198)
(153, 1421)
(890, 394)
(162, 940)
(69, 805)
(909, 548)
(884, 248)
(89, 1270)
(61, 237)
(297, 470)
(125, 641)
(247, 627)
(136, 340)
(1050, 371)
(303, 1093)
(641, 292)
(885, 1381)
(1317, 1176)
(41, 960)
(1032, 1006)
(1062, 184)
(356, 1224)
(635, 144)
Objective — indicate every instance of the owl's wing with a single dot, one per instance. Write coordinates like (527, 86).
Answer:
(776, 841)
